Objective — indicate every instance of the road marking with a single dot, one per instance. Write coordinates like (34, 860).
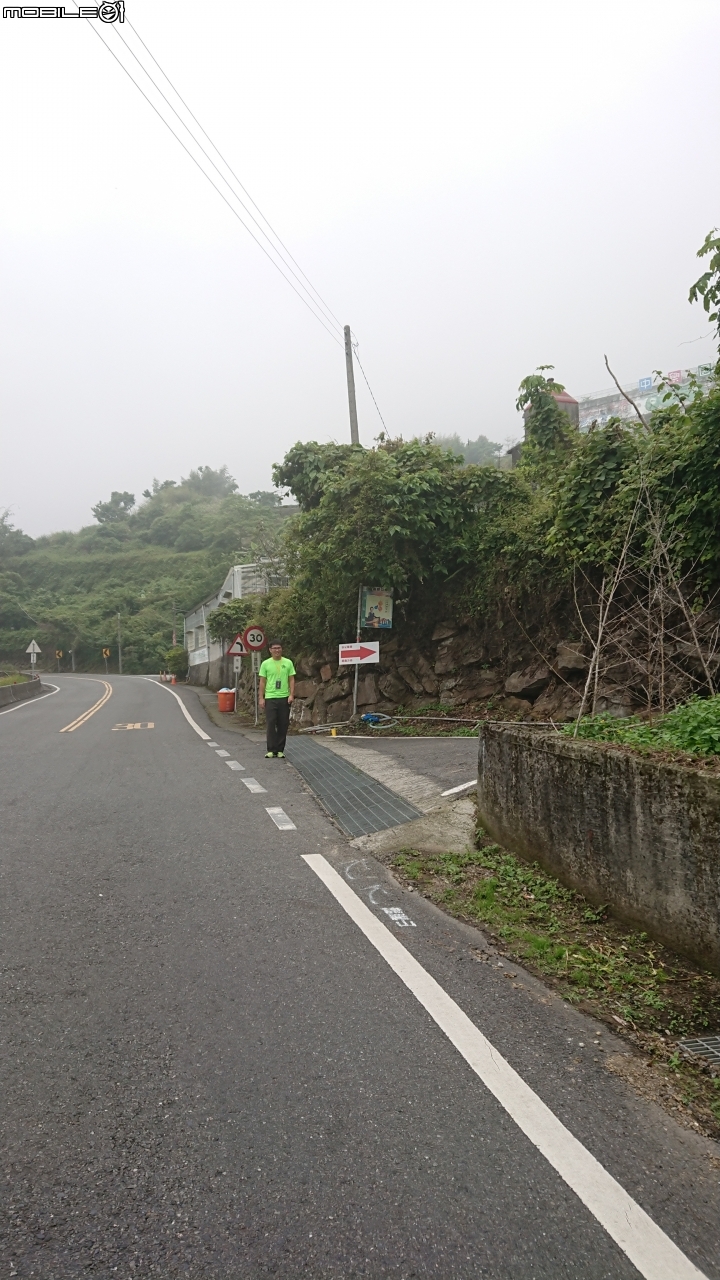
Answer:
(234, 764)
(212, 744)
(54, 688)
(253, 785)
(398, 917)
(281, 819)
(222, 752)
(205, 736)
(70, 728)
(654, 1254)
(464, 786)
(142, 724)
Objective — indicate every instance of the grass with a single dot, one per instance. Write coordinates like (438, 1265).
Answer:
(639, 988)
(15, 678)
(693, 727)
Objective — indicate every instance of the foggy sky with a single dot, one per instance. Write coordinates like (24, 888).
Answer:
(476, 188)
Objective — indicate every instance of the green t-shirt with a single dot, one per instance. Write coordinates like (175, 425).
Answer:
(277, 677)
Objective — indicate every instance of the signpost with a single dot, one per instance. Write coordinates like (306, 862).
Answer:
(106, 655)
(33, 649)
(359, 653)
(236, 651)
(254, 639)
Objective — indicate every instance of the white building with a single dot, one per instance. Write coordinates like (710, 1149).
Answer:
(205, 655)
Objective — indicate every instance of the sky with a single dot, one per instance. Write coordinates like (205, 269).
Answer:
(476, 188)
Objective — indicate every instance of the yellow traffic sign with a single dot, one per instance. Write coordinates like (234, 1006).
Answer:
(106, 653)
(58, 653)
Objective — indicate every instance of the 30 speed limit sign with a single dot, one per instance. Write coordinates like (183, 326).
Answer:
(254, 638)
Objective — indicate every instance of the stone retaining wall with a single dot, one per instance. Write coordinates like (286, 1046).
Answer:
(641, 836)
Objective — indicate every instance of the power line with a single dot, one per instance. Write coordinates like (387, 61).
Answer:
(226, 163)
(309, 304)
(355, 346)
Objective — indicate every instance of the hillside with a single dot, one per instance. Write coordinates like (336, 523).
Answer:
(148, 562)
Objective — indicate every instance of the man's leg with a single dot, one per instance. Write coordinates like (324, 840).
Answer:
(271, 723)
(283, 720)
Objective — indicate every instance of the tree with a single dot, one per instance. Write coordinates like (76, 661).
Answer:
(549, 434)
(307, 468)
(209, 483)
(266, 498)
(231, 619)
(118, 508)
(481, 452)
(708, 286)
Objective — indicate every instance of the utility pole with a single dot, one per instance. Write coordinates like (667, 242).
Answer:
(354, 436)
(119, 648)
(72, 657)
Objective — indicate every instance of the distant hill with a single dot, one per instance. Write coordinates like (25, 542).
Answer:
(149, 561)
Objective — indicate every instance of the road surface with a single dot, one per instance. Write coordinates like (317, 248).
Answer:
(233, 1050)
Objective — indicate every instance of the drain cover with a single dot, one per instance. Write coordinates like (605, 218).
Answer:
(705, 1047)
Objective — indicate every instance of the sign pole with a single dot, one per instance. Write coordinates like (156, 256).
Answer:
(357, 664)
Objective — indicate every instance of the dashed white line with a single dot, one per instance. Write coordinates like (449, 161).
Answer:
(464, 786)
(222, 752)
(253, 785)
(280, 818)
(234, 764)
(654, 1254)
(212, 744)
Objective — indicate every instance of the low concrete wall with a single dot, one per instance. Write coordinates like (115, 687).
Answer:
(641, 836)
(10, 693)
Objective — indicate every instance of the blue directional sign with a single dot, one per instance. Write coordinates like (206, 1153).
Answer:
(645, 384)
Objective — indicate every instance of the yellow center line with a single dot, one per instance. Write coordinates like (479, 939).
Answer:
(69, 728)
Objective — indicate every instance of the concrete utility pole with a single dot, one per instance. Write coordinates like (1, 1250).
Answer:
(354, 436)
(119, 648)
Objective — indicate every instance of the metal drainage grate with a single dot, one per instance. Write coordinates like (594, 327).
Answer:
(360, 803)
(704, 1047)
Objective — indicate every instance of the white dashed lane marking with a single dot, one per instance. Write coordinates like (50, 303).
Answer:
(280, 818)
(234, 764)
(212, 744)
(253, 785)
(222, 753)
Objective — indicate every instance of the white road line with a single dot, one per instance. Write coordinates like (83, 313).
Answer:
(648, 1247)
(253, 785)
(234, 764)
(281, 819)
(205, 736)
(55, 688)
(464, 786)
(222, 752)
(212, 744)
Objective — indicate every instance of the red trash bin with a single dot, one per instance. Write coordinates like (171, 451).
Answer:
(226, 699)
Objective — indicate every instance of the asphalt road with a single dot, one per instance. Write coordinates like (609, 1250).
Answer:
(210, 1070)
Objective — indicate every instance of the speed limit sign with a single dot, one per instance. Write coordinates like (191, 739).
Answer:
(254, 638)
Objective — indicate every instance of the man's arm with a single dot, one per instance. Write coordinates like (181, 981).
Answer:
(261, 699)
(291, 684)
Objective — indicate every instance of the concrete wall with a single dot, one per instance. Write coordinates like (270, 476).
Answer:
(10, 693)
(641, 836)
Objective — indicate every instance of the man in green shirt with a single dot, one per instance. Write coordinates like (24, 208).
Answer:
(277, 692)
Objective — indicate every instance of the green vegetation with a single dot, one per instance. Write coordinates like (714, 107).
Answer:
(149, 563)
(693, 727)
(640, 988)
(482, 452)
(477, 542)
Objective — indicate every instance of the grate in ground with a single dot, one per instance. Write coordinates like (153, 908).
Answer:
(360, 803)
(703, 1047)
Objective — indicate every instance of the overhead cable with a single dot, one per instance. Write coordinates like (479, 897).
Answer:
(309, 303)
(227, 165)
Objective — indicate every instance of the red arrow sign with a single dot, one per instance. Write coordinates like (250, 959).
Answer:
(358, 652)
